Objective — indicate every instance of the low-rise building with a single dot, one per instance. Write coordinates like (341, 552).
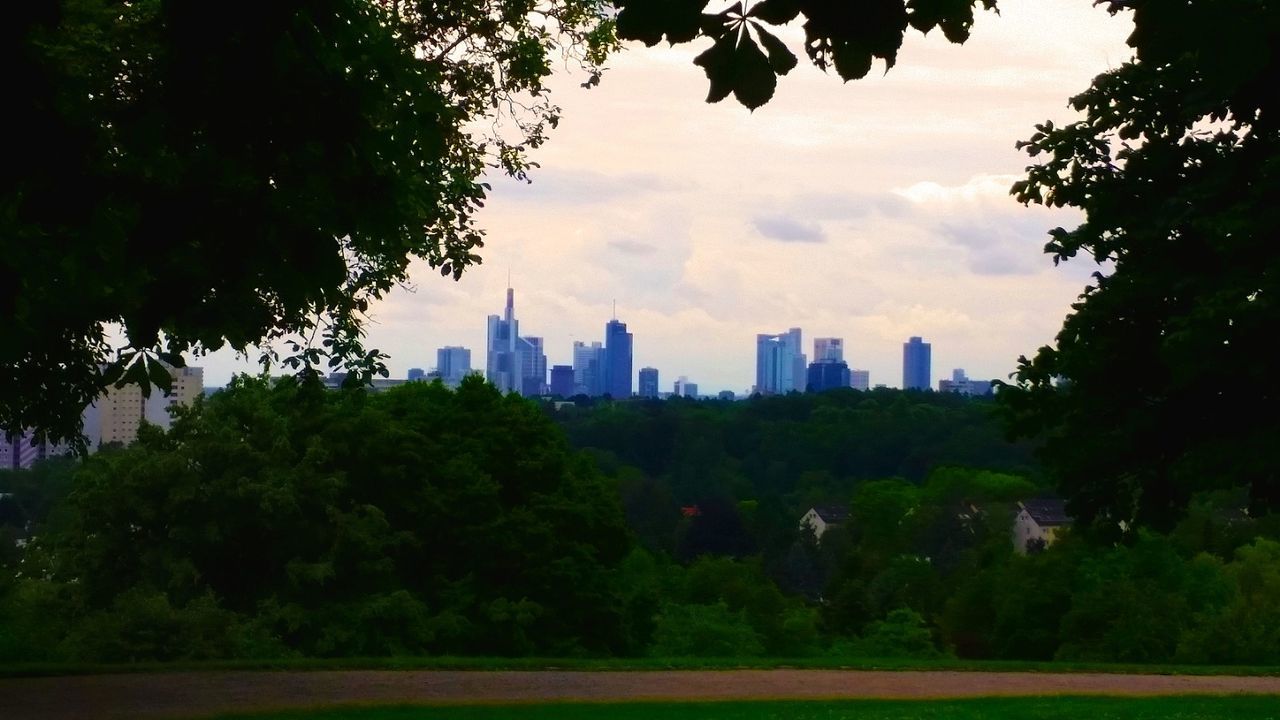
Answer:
(1037, 523)
(823, 518)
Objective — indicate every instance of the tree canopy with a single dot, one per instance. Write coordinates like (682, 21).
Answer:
(1159, 382)
(207, 175)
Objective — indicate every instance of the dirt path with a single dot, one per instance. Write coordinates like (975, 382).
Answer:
(191, 695)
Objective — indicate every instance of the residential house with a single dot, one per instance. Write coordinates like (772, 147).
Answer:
(1037, 523)
(824, 517)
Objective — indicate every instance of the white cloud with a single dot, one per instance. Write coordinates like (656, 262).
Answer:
(652, 197)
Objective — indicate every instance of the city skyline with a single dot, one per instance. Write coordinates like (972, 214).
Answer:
(871, 211)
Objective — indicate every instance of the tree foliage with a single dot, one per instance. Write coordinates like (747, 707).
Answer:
(340, 524)
(747, 57)
(203, 175)
(1158, 384)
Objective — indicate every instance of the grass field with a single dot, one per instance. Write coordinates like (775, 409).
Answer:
(1164, 708)
(598, 664)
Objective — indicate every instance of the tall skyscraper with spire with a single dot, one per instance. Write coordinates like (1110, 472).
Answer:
(503, 367)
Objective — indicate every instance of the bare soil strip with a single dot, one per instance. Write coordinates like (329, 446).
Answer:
(193, 695)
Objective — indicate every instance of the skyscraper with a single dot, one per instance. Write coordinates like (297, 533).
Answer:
(828, 349)
(533, 366)
(452, 363)
(827, 375)
(780, 365)
(503, 365)
(588, 368)
(648, 382)
(617, 355)
(684, 388)
(916, 364)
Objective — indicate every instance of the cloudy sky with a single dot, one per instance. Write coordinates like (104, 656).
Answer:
(872, 210)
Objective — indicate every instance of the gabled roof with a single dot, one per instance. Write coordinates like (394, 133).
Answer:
(832, 514)
(1046, 511)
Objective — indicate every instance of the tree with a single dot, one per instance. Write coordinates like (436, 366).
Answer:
(348, 523)
(1159, 384)
(207, 175)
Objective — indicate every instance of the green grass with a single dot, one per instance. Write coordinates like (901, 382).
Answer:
(1058, 708)
(609, 664)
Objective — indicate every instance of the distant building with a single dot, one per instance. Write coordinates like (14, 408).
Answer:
(617, 373)
(533, 366)
(823, 518)
(503, 365)
(780, 365)
(453, 363)
(727, 395)
(828, 350)
(827, 375)
(417, 374)
(648, 382)
(1037, 524)
(916, 364)
(562, 380)
(118, 413)
(963, 385)
(20, 452)
(860, 379)
(588, 369)
(684, 388)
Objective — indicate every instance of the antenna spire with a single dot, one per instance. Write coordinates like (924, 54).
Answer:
(615, 309)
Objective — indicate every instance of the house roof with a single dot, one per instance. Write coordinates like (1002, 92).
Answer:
(832, 513)
(1046, 511)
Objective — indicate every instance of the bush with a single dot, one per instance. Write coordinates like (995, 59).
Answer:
(704, 631)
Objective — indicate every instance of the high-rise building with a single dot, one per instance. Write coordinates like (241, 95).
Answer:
(684, 388)
(648, 382)
(453, 363)
(828, 350)
(116, 416)
(617, 369)
(827, 375)
(562, 381)
(20, 452)
(780, 365)
(416, 374)
(916, 364)
(533, 367)
(860, 379)
(503, 366)
(588, 368)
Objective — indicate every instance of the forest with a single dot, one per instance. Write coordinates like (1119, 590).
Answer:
(277, 519)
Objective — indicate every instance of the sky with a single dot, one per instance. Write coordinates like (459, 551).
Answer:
(872, 210)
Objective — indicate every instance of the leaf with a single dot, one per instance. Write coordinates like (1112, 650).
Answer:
(775, 12)
(780, 57)
(717, 62)
(158, 375)
(853, 61)
(738, 67)
(755, 80)
(648, 20)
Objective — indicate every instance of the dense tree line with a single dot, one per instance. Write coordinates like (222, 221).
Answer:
(279, 519)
